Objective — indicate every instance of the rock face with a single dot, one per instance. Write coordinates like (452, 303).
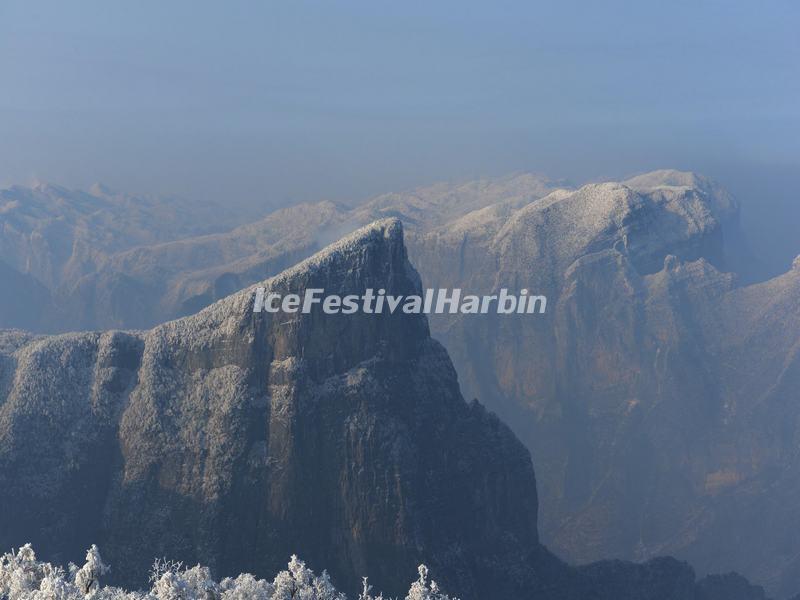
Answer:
(658, 396)
(234, 438)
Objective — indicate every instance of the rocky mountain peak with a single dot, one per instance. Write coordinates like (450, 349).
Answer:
(235, 439)
(373, 257)
(719, 201)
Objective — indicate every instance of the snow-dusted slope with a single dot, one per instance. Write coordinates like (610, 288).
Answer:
(234, 438)
(111, 261)
(56, 235)
(642, 390)
(657, 394)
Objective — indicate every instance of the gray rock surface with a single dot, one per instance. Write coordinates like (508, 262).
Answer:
(234, 438)
(657, 395)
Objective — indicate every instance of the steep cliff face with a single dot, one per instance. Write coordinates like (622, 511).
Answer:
(655, 393)
(234, 439)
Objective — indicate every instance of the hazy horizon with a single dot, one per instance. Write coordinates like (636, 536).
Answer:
(538, 393)
(267, 104)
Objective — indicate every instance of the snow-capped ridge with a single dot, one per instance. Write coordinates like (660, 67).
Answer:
(722, 204)
(384, 230)
(390, 229)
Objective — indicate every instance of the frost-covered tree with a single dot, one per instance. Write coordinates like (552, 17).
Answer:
(366, 592)
(422, 590)
(246, 587)
(87, 578)
(23, 577)
(300, 583)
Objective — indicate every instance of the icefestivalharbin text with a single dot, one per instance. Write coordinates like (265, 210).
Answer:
(377, 301)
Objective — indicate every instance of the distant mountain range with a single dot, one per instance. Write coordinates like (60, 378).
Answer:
(658, 395)
(54, 237)
(112, 261)
(233, 438)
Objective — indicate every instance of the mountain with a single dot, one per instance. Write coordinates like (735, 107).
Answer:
(23, 301)
(655, 393)
(658, 394)
(234, 438)
(51, 237)
(112, 261)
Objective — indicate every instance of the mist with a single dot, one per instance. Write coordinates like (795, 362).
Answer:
(261, 105)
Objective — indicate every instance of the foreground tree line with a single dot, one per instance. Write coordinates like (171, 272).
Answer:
(23, 577)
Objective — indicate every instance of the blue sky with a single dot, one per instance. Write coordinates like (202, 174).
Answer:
(273, 102)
